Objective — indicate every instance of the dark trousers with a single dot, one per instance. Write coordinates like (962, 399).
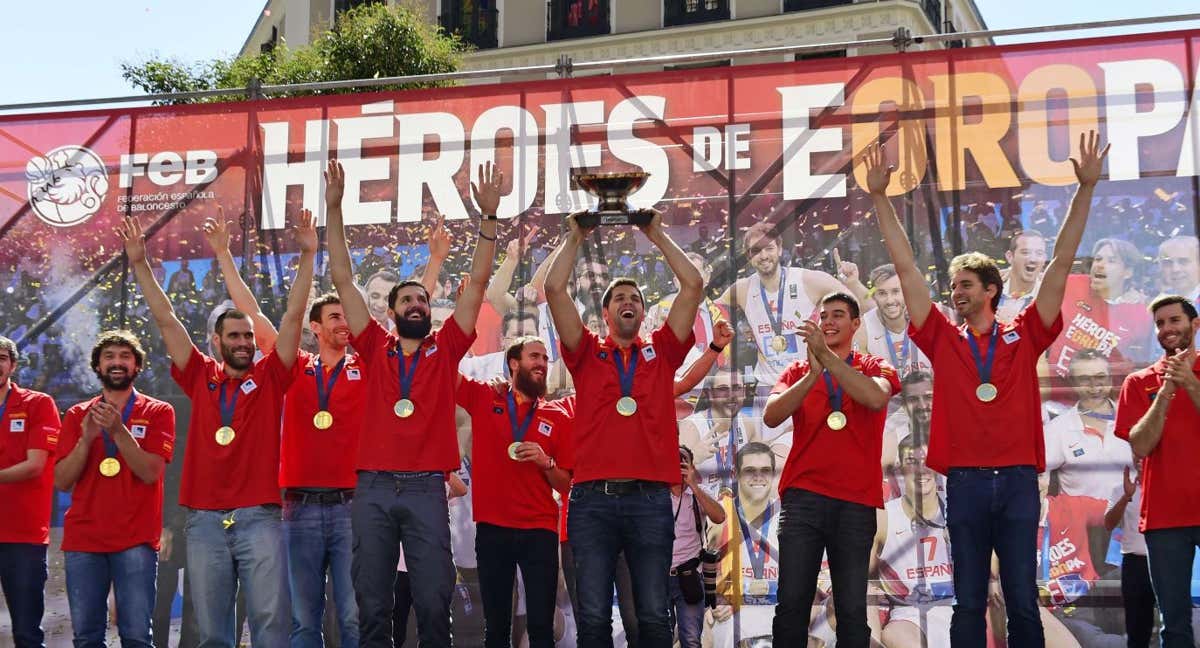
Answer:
(390, 508)
(811, 524)
(1137, 594)
(402, 609)
(500, 551)
(23, 579)
(1171, 552)
(994, 510)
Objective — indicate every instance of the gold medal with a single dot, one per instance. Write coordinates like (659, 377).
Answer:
(779, 344)
(404, 408)
(512, 450)
(626, 406)
(835, 420)
(322, 420)
(110, 467)
(986, 392)
(225, 435)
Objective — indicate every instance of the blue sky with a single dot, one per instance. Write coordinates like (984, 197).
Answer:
(73, 49)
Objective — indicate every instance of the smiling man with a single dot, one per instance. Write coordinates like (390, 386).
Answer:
(1026, 258)
(986, 428)
(830, 487)
(886, 325)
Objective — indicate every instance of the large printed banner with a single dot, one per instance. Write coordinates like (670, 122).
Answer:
(980, 139)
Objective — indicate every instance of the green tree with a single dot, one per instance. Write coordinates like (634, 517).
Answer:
(369, 41)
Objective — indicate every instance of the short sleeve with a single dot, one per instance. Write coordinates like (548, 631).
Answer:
(790, 376)
(44, 424)
(162, 426)
(368, 340)
(454, 339)
(1132, 405)
(574, 360)
(195, 369)
(281, 377)
(564, 442)
(932, 332)
(673, 350)
(880, 368)
(72, 430)
(1029, 323)
(472, 394)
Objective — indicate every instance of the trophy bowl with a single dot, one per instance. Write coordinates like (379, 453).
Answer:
(613, 190)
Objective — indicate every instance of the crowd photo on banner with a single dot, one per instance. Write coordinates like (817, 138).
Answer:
(898, 351)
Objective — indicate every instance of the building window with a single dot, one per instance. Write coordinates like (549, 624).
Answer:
(576, 19)
(272, 42)
(801, 5)
(816, 56)
(687, 12)
(474, 21)
(933, 11)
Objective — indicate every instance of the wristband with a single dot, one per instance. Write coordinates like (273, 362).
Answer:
(486, 237)
(491, 217)
(715, 347)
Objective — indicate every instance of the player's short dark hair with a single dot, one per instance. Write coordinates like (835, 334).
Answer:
(983, 267)
(1017, 235)
(1189, 308)
(518, 315)
(881, 274)
(232, 313)
(402, 285)
(314, 311)
(845, 298)
(122, 338)
(915, 377)
(911, 442)
(752, 448)
(620, 281)
(517, 346)
(10, 346)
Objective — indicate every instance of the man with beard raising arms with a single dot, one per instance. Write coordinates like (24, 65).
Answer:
(518, 441)
(230, 467)
(626, 439)
(408, 441)
(120, 444)
(322, 417)
(1159, 413)
(986, 432)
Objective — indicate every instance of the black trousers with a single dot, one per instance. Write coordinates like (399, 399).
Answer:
(500, 551)
(1138, 597)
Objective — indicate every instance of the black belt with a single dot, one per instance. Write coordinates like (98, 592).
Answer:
(989, 468)
(319, 497)
(623, 486)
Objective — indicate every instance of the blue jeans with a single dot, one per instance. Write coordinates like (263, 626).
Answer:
(132, 573)
(994, 510)
(238, 548)
(689, 617)
(1170, 553)
(319, 540)
(390, 509)
(601, 526)
(23, 578)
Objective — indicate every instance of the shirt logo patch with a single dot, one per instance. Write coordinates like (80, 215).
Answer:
(310, 372)
(212, 386)
(497, 410)
(137, 431)
(353, 374)
(430, 351)
(16, 425)
(249, 386)
(1011, 336)
(603, 355)
(1078, 452)
(648, 353)
(545, 428)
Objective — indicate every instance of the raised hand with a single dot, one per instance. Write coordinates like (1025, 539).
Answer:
(847, 270)
(130, 231)
(814, 340)
(335, 184)
(1091, 158)
(722, 333)
(1179, 369)
(879, 174)
(105, 415)
(216, 231)
(439, 239)
(575, 229)
(487, 190)
(1129, 485)
(305, 232)
(654, 227)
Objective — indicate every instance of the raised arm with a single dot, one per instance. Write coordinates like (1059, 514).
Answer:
(912, 282)
(682, 315)
(216, 232)
(439, 251)
(487, 196)
(293, 319)
(353, 302)
(872, 393)
(175, 336)
(562, 308)
(847, 275)
(722, 336)
(1114, 513)
(497, 291)
(1054, 280)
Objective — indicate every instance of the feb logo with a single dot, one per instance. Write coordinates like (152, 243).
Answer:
(67, 185)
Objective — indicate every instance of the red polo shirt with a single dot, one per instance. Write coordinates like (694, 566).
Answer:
(843, 464)
(509, 493)
(965, 431)
(245, 472)
(110, 514)
(609, 445)
(313, 458)
(29, 422)
(427, 440)
(1170, 489)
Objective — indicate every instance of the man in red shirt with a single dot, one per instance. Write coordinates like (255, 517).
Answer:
(29, 427)
(627, 440)
(322, 417)
(520, 450)
(830, 484)
(1159, 414)
(231, 465)
(120, 444)
(986, 428)
(408, 441)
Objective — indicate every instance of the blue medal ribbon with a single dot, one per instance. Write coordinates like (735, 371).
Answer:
(407, 373)
(984, 366)
(758, 549)
(625, 375)
(325, 389)
(776, 318)
(836, 394)
(901, 363)
(519, 430)
(110, 446)
(228, 407)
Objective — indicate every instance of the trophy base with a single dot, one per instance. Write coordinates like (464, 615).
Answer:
(638, 218)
